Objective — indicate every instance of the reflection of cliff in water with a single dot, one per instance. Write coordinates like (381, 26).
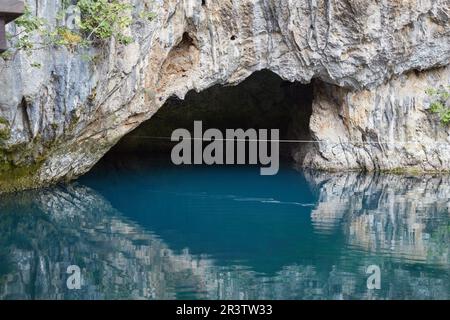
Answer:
(405, 217)
(42, 232)
(74, 225)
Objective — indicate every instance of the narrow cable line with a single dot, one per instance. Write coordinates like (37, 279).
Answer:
(290, 141)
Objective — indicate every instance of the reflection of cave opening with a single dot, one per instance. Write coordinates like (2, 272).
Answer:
(263, 101)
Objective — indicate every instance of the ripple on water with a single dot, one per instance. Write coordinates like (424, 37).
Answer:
(229, 234)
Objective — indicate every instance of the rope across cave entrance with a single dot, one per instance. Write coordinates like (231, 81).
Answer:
(262, 101)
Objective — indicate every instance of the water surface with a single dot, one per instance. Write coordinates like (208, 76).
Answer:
(165, 232)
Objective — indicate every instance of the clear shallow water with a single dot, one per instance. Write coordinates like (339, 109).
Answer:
(165, 232)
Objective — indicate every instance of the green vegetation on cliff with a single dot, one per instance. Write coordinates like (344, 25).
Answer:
(92, 22)
(440, 103)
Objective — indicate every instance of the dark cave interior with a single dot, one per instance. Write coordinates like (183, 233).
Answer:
(262, 101)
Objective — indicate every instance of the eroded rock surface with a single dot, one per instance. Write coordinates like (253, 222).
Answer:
(56, 122)
(385, 128)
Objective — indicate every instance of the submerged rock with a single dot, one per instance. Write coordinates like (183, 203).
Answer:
(371, 63)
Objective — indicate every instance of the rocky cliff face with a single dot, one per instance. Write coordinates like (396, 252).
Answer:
(371, 61)
(383, 128)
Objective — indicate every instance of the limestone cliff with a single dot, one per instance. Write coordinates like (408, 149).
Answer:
(372, 61)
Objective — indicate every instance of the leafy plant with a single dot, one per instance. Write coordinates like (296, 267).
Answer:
(103, 19)
(440, 103)
(29, 24)
(147, 15)
(36, 65)
(100, 20)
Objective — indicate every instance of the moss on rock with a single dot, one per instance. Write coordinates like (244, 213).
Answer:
(15, 178)
(5, 131)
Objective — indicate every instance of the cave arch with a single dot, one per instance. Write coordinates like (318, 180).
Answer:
(262, 101)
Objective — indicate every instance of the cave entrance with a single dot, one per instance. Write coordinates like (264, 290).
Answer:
(262, 101)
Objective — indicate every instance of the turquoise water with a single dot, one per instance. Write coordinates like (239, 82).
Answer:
(165, 232)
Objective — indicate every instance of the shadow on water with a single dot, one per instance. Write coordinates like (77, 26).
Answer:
(164, 232)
